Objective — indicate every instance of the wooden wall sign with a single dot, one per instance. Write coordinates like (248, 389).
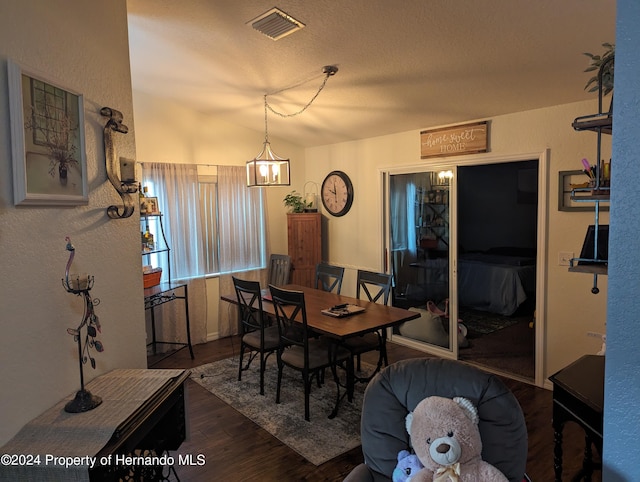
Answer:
(454, 141)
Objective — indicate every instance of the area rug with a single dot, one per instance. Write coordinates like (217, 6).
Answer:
(482, 323)
(319, 440)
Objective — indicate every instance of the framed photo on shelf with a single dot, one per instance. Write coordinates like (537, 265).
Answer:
(47, 141)
(567, 181)
(149, 205)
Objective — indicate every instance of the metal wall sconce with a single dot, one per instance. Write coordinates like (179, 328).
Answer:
(124, 182)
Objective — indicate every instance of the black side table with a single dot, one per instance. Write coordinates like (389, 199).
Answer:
(578, 396)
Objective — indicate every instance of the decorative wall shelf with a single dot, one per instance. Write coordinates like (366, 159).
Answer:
(600, 123)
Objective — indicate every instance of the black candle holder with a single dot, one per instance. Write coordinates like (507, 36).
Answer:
(81, 286)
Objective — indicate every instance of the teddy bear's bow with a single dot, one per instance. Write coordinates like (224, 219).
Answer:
(450, 473)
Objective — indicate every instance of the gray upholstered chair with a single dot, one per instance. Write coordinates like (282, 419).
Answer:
(298, 350)
(257, 337)
(398, 388)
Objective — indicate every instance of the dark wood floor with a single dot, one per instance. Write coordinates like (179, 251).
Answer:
(237, 449)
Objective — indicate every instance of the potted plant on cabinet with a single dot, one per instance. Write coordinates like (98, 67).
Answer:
(294, 202)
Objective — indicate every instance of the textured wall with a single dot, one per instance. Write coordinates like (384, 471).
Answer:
(622, 370)
(83, 46)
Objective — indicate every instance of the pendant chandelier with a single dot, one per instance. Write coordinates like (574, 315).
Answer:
(267, 168)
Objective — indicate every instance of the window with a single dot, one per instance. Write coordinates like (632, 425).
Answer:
(208, 188)
(214, 203)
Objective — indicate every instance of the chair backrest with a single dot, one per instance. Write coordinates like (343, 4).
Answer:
(291, 315)
(374, 285)
(329, 277)
(398, 388)
(279, 269)
(249, 305)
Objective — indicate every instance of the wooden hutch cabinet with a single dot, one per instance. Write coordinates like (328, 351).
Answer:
(304, 236)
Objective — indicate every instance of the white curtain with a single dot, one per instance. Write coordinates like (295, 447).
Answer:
(403, 214)
(176, 187)
(242, 224)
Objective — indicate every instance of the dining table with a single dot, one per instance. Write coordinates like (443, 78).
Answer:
(375, 317)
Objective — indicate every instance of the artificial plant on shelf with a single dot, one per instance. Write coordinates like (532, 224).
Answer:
(604, 62)
(294, 202)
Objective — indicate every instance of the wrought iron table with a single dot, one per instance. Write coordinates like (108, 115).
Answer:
(159, 295)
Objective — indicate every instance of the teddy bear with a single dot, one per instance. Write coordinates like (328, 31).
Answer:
(408, 465)
(445, 436)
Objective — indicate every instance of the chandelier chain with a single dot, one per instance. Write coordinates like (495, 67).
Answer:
(305, 107)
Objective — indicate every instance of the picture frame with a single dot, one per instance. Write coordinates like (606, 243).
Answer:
(565, 203)
(47, 140)
(149, 205)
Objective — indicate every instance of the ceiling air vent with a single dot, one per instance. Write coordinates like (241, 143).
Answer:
(275, 24)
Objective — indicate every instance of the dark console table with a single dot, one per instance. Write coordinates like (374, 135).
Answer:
(578, 396)
(142, 415)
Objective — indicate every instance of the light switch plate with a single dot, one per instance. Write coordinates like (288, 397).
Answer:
(564, 257)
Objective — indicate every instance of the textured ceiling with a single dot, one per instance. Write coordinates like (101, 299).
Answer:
(403, 65)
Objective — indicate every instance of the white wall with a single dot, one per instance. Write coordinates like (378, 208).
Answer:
(83, 46)
(169, 132)
(355, 241)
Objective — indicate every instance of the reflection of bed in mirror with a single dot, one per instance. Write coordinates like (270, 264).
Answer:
(495, 282)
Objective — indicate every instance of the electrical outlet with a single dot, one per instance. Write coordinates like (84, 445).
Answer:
(564, 257)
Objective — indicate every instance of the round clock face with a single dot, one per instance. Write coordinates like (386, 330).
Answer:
(337, 193)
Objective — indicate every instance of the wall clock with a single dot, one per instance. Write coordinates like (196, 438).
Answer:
(337, 193)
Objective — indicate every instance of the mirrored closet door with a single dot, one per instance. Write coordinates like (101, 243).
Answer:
(419, 241)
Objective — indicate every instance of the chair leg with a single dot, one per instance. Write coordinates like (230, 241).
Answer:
(308, 380)
(359, 367)
(240, 364)
(350, 379)
(262, 368)
(383, 348)
(280, 367)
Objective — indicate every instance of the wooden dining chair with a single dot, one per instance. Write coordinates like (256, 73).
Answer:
(279, 269)
(329, 277)
(375, 286)
(308, 355)
(257, 337)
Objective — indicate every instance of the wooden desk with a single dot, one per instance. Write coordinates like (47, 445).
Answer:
(141, 410)
(578, 396)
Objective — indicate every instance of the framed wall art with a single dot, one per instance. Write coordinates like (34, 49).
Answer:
(567, 181)
(47, 141)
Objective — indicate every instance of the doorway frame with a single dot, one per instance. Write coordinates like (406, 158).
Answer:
(541, 244)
